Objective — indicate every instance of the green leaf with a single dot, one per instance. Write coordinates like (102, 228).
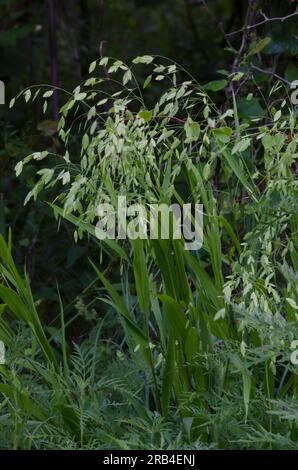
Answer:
(246, 379)
(240, 173)
(146, 115)
(127, 77)
(237, 76)
(141, 276)
(48, 94)
(145, 59)
(168, 377)
(80, 96)
(175, 318)
(291, 72)
(203, 279)
(19, 168)
(12, 300)
(92, 66)
(12, 102)
(85, 141)
(27, 95)
(192, 130)
(277, 115)
(192, 345)
(249, 109)
(261, 44)
(231, 232)
(216, 85)
(222, 134)
(147, 81)
(241, 146)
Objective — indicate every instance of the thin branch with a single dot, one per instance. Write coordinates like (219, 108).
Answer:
(245, 41)
(101, 55)
(251, 11)
(270, 72)
(266, 20)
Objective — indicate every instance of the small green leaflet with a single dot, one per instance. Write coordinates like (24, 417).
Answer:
(147, 81)
(216, 85)
(80, 96)
(27, 95)
(192, 130)
(48, 94)
(92, 66)
(127, 77)
(241, 146)
(144, 59)
(19, 168)
(222, 134)
(146, 115)
(261, 44)
(85, 141)
(12, 102)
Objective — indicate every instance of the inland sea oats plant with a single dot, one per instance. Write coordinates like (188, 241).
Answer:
(208, 333)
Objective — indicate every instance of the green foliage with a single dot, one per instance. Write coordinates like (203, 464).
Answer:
(211, 330)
